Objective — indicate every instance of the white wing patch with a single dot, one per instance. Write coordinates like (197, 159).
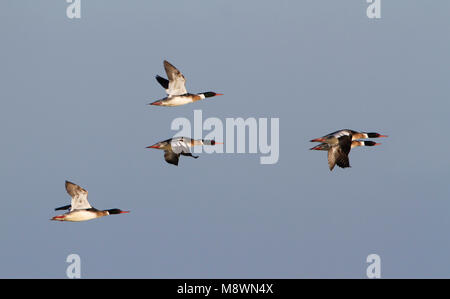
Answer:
(80, 202)
(79, 197)
(181, 145)
(177, 82)
(177, 87)
(341, 133)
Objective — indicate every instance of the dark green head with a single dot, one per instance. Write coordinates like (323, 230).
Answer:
(375, 135)
(116, 211)
(210, 94)
(210, 142)
(370, 143)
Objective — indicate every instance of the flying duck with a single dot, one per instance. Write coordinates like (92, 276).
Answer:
(338, 149)
(80, 209)
(177, 146)
(355, 143)
(332, 137)
(175, 87)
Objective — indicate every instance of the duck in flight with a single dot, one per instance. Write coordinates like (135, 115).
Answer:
(177, 146)
(355, 143)
(175, 87)
(80, 209)
(332, 137)
(339, 143)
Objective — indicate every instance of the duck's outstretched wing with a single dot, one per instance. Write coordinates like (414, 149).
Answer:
(171, 157)
(338, 154)
(177, 82)
(79, 196)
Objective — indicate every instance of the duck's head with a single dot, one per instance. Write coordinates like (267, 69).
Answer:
(116, 211)
(210, 94)
(210, 142)
(375, 135)
(356, 143)
(369, 143)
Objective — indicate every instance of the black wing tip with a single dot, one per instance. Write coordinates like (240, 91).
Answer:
(343, 165)
(69, 183)
(163, 81)
(172, 161)
(167, 63)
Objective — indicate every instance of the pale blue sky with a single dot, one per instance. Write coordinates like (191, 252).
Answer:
(74, 95)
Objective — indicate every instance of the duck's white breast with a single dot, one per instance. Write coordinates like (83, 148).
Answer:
(177, 101)
(80, 216)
